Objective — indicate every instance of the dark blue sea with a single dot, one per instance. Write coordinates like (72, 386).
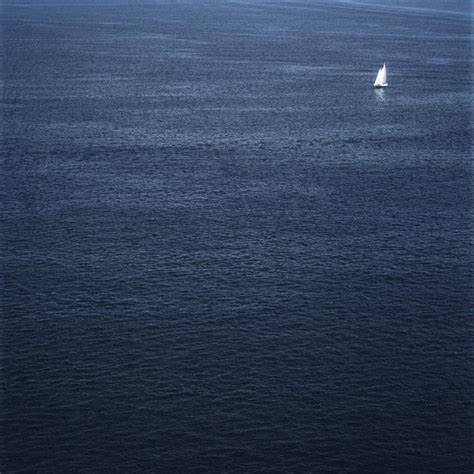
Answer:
(223, 251)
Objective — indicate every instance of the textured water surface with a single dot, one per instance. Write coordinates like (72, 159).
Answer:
(223, 251)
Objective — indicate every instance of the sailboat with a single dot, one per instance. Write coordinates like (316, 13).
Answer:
(381, 80)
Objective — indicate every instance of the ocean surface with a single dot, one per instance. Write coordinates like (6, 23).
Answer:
(223, 250)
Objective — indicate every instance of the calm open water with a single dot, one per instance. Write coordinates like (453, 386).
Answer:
(223, 251)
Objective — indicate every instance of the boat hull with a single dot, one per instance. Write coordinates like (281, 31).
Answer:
(380, 86)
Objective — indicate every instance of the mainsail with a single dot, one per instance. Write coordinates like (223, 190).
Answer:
(381, 80)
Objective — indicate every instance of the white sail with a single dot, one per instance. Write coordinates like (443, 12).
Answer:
(383, 75)
(381, 79)
(377, 79)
